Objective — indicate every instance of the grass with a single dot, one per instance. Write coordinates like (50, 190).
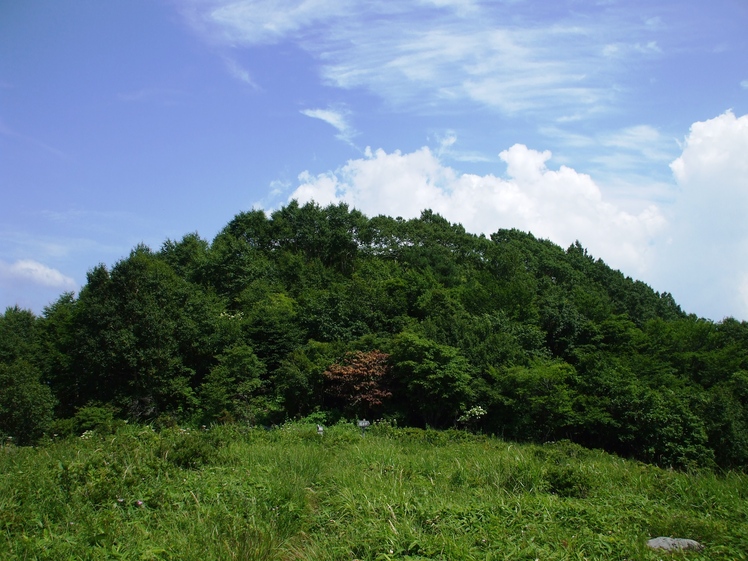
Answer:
(248, 494)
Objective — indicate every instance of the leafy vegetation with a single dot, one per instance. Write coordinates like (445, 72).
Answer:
(323, 311)
(233, 492)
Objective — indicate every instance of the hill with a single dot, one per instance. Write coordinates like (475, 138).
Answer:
(323, 311)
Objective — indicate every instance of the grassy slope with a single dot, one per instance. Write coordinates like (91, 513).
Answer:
(231, 493)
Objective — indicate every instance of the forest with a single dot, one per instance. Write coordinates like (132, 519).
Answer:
(323, 313)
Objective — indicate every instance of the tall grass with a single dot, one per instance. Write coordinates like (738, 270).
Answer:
(248, 494)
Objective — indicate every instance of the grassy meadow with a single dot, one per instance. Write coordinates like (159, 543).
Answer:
(249, 494)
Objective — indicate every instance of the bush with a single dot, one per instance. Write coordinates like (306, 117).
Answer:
(94, 418)
(568, 481)
(187, 450)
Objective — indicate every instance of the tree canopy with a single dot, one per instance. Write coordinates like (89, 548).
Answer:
(323, 310)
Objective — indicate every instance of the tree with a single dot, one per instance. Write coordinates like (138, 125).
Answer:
(26, 405)
(231, 385)
(436, 380)
(19, 337)
(359, 380)
(298, 381)
(271, 325)
(59, 342)
(188, 257)
(129, 329)
(536, 402)
(725, 415)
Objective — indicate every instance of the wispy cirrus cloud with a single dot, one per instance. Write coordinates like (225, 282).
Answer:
(432, 54)
(630, 162)
(241, 74)
(7, 131)
(257, 22)
(337, 118)
(163, 96)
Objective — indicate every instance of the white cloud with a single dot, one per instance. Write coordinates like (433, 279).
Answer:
(629, 164)
(709, 237)
(744, 84)
(163, 96)
(715, 149)
(336, 118)
(258, 21)
(473, 60)
(27, 270)
(427, 53)
(694, 246)
(240, 73)
(562, 205)
(641, 138)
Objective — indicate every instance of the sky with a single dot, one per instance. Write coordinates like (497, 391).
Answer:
(622, 124)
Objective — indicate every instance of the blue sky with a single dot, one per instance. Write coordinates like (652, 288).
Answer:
(623, 124)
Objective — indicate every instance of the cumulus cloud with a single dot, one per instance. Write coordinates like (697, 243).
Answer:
(27, 270)
(562, 205)
(709, 236)
(31, 285)
(694, 246)
(336, 118)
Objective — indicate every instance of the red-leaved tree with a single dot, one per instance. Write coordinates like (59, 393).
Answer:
(359, 380)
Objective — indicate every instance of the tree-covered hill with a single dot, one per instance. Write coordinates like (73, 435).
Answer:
(325, 311)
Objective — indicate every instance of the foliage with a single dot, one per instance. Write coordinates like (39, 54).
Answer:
(95, 418)
(553, 343)
(232, 384)
(537, 402)
(359, 381)
(434, 378)
(26, 405)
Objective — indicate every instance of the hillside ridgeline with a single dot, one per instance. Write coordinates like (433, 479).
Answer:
(323, 311)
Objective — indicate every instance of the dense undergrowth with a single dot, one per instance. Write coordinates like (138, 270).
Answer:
(232, 492)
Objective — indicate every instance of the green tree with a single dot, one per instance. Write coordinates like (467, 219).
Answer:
(435, 380)
(128, 326)
(19, 336)
(272, 327)
(232, 385)
(535, 402)
(298, 381)
(26, 404)
(187, 257)
(725, 415)
(58, 336)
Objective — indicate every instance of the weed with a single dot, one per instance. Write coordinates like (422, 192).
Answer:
(240, 493)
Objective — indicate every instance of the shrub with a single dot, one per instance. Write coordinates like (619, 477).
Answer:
(94, 418)
(187, 450)
(568, 481)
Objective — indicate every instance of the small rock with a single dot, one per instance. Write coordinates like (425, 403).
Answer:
(674, 544)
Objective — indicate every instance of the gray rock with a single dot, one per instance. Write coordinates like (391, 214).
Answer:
(674, 544)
